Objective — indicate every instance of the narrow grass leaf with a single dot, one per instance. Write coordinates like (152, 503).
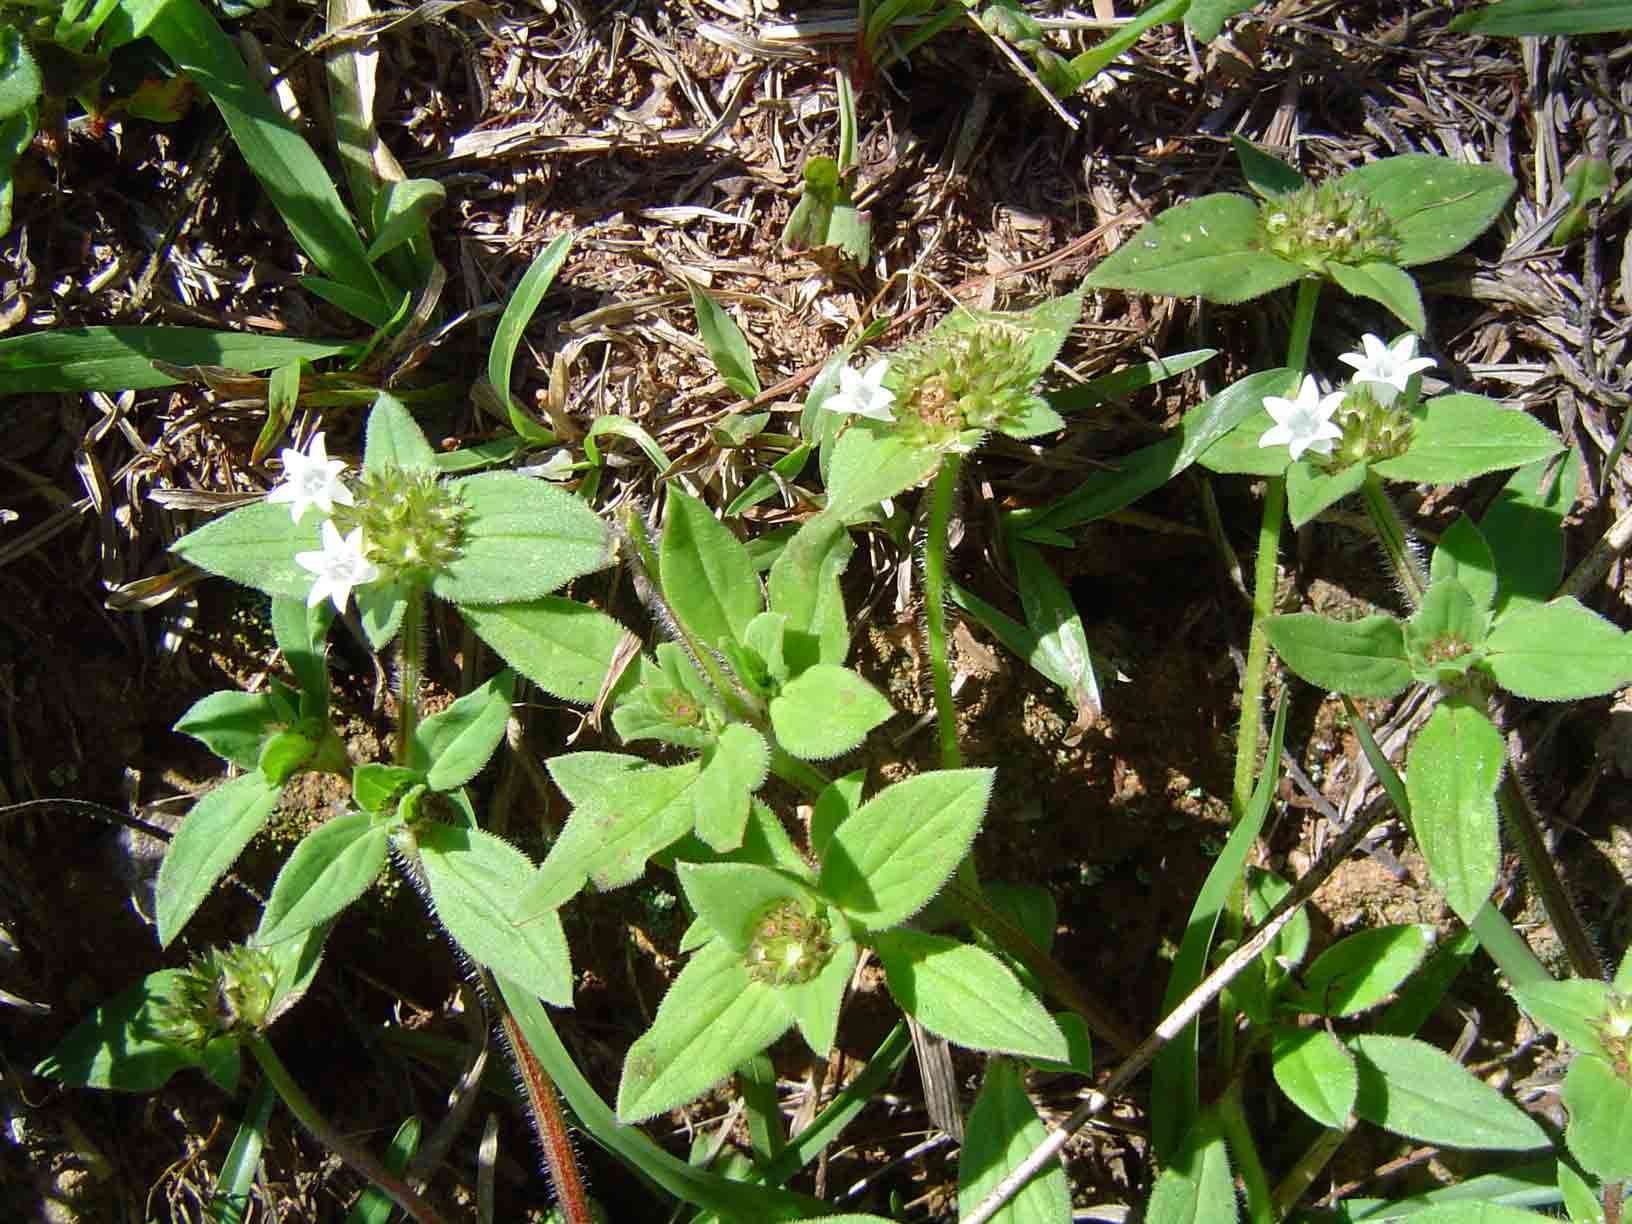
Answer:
(1514, 18)
(121, 358)
(229, 1204)
(518, 313)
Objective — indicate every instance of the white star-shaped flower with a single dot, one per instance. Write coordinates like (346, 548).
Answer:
(310, 478)
(1387, 367)
(339, 566)
(864, 393)
(1304, 423)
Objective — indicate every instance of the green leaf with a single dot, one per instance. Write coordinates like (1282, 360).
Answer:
(628, 813)
(115, 1047)
(401, 210)
(1412, 1089)
(381, 607)
(564, 647)
(518, 312)
(826, 711)
(803, 586)
(1361, 970)
(1364, 658)
(285, 754)
(1600, 1130)
(1573, 1009)
(1463, 555)
(1201, 431)
(1061, 652)
(894, 854)
(871, 463)
(1118, 385)
(1451, 779)
(20, 81)
(713, 1017)
(373, 1206)
(451, 747)
(300, 632)
(815, 1004)
(1581, 1200)
(1176, 1099)
(1002, 1130)
(1475, 1212)
(1310, 490)
(331, 867)
(1437, 205)
(1206, 247)
(229, 1203)
(1316, 1073)
(523, 540)
(1266, 174)
(732, 897)
(1558, 651)
(1197, 1186)
(255, 546)
(1205, 18)
(472, 877)
(375, 784)
(289, 172)
(16, 137)
(1387, 285)
(207, 842)
(727, 346)
(837, 802)
(1445, 634)
(1458, 437)
(1525, 528)
(233, 725)
(966, 995)
(734, 767)
(707, 577)
(394, 438)
(1519, 17)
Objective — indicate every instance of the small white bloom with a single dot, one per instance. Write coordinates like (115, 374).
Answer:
(1387, 367)
(863, 394)
(310, 479)
(1304, 423)
(339, 566)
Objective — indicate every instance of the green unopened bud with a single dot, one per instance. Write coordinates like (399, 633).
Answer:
(414, 524)
(223, 991)
(1317, 226)
(789, 946)
(1372, 431)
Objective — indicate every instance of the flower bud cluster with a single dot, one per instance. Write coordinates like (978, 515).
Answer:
(1372, 431)
(414, 525)
(1317, 226)
(789, 946)
(974, 378)
(225, 990)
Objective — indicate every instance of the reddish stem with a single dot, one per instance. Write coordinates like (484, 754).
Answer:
(545, 1106)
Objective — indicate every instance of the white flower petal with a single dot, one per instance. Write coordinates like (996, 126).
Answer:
(338, 566)
(863, 393)
(311, 478)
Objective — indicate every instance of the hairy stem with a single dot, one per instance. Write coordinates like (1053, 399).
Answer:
(1394, 538)
(1232, 1120)
(544, 1104)
(1525, 830)
(359, 1158)
(410, 664)
(941, 497)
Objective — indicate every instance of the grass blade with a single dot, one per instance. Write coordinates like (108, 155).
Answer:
(231, 1199)
(121, 358)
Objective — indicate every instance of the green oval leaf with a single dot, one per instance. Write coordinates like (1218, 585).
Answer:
(966, 995)
(1412, 1089)
(255, 546)
(1458, 437)
(1002, 1130)
(1206, 247)
(451, 747)
(472, 877)
(114, 1047)
(1361, 970)
(331, 867)
(233, 725)
(826, 711)
(706, 575)
(1600, 1130)
(564, 647)
(394, 438)
(523, 539)
(1437, 205)
(208, 841)
(1558, 651)
(1451, 779)
(893, 855)
(713, 1018)
(1317, 1074)
(1364, 658)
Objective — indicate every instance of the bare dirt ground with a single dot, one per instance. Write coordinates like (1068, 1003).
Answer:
(669, 138)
